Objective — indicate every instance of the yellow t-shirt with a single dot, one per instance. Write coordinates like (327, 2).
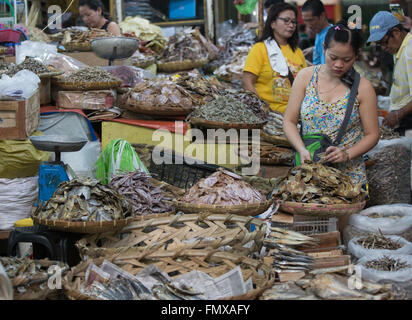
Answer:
(270, 85)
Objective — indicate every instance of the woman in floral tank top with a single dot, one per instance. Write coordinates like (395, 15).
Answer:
(319, 98)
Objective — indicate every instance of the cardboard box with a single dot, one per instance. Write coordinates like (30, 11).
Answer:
(19, 118)
(89, 100)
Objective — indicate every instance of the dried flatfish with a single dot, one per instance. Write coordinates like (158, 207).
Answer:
(86, 200)
(144, 197)
(223, 188)
(386, 264)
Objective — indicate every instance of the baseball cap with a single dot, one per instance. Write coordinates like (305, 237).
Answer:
(380, 24)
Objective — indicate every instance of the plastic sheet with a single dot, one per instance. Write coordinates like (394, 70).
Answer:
(90, 100)
(33, 49)
(61, 62)
(23, 84)
(128, 74)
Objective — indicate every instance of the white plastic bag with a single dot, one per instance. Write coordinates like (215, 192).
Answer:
(401, 275)
(33, 49)
(23, 84)
(17, 197)
(360, 251)
(6, 289)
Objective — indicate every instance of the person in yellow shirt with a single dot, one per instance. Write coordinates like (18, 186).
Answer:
(275, 59)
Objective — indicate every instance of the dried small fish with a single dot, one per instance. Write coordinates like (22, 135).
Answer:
(90, 74)
(374, 241)
(377, 215)
(386, 133)
(386, 264)
(28, 64)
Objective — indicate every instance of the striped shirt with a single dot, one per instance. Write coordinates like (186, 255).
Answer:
(401, 91)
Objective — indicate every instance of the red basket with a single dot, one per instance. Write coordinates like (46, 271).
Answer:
(9, 35)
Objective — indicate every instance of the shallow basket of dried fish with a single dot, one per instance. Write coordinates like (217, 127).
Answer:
(184, 231)
(224, 125)
(83, 226)
(104, 85)
(134, 106)
(284, 156)
(276, 140)
(321, 210)
(180, 65)
(80, 46)
(250, 209)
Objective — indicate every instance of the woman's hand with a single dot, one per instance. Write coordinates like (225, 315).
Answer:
(336, 155)
(304, 155)
(392, 118)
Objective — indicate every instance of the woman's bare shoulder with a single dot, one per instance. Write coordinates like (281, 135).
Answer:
(305, 74)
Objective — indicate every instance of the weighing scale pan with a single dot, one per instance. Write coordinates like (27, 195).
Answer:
(114, 47)
(56, 143)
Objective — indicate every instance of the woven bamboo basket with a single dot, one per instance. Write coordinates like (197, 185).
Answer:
(36, 289)
(74, 86)
(83, 47)
(276, 140)
(174, 66)
(251, 209)
(133, 105)
(188, 231)
(176, 263)
(84, 226)
(224, 125)
(143, 64)
(321, 210)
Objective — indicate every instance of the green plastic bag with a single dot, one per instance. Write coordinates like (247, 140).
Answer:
(118, 157)
(247, 7)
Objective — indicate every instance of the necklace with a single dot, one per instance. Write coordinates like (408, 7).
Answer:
(326, 90)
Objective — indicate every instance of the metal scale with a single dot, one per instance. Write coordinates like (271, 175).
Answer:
(52, 173)
(113, 48)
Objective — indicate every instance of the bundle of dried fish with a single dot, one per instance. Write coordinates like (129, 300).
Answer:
(336, 287)
(84, 200)
(226, 109)
(275, 124)
(233, 69)
(386, 133)
(223, 188)
(91, 74)
(144, 197)
(74, 36)
(184, 45)
(374, 241)
(28, 64)
(24, 272)
(159, 93)
(258, 106)
(387, 264)
(289, 260)
(284, 237)
(141, 60)
(317, 183)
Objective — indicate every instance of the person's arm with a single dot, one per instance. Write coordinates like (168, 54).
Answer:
(368, 110)
(292, 112)
(248, 81)
(393, 118)
(114, 28)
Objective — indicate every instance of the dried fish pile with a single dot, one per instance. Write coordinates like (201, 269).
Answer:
(389, 175)
(258, 106)
(184, 45)
(76, 36)
(272, 153)
(160, 93)
(25, 271)
(28, 64)
(144, 197)
(223, 188)
(374, 241)
(226, 109)
(233, 69)
(91, 74)
(84, 200)
(386, 264)
(378, 215)
(317, 183)
(275, 124)
(386, 133)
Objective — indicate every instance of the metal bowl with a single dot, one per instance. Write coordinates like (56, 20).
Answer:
(56, 143)
(114, 47)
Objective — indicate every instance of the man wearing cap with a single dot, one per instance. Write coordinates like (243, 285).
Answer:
(386, 31)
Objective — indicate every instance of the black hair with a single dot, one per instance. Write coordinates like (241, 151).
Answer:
(341, 33)
(94, 5)
(273, 14)
(268, 3)
(316, 6)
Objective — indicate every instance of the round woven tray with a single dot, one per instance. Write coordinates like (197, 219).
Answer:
(143, 64)
(143, 217)
(242, 210)
(224, 125)
(276, 140)
(75, 86)
(83, 227)
(180, 65)
(321, 210)
(132, 105)
(193, 231)
(70, 47)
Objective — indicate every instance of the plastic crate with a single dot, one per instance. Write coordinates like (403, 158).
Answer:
(176, 171)
(9, 35)
(309, 225)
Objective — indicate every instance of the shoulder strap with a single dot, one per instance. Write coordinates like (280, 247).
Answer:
(349, 108)
(106, 24)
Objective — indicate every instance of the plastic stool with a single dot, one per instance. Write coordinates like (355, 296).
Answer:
(47, 243)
